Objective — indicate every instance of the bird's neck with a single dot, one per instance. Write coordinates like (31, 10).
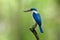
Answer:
(34, 12)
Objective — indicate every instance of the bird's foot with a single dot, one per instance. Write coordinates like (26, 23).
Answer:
(31, 29)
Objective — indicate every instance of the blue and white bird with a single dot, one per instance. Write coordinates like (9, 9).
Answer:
(36, 17)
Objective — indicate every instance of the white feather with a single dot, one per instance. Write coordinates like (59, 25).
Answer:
(35, 12)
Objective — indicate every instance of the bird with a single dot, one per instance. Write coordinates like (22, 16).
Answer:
(36, 16)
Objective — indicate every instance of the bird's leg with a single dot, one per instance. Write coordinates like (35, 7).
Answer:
(34, 31)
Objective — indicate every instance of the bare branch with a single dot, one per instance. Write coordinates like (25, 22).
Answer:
(34, 31)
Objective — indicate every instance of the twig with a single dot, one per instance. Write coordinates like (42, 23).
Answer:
(34, 31)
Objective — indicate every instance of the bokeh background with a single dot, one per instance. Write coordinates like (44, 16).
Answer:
(15, 23)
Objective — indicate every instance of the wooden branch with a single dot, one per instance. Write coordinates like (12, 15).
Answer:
(34, 31)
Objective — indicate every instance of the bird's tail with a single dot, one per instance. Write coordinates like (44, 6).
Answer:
(40, 29)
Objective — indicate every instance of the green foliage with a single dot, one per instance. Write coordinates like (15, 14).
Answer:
(15, 24)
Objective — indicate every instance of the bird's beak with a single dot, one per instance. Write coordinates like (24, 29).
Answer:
(27, 10)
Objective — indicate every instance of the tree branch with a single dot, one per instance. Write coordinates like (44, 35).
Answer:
(34, 31)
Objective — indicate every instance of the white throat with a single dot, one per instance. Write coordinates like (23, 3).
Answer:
(35, 12)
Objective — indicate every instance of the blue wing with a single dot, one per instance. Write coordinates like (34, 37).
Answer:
(37, 18)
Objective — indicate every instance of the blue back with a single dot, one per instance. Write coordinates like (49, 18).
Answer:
(37, 18)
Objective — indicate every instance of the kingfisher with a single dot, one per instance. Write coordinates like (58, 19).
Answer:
(36, 16)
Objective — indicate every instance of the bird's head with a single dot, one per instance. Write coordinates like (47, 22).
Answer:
(32, 9)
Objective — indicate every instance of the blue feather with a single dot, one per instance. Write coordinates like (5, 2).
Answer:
(37, 18)
(40, 29)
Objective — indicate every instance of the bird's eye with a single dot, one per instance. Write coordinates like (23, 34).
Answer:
(30, 9)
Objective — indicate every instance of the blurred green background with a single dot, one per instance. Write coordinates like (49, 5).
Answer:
(15, 24)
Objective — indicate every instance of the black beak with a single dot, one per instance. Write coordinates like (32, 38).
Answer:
(27, 10)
